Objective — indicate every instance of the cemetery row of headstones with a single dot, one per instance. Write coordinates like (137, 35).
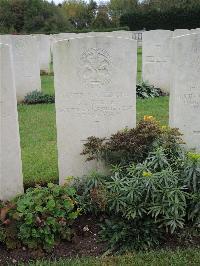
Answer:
(95, 90)
(157, 56)
(32, 55)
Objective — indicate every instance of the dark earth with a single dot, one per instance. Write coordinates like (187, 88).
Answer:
(85, 243)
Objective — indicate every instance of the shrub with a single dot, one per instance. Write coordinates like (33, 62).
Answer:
(153, 191)
(43, 216)
(37, 97)
(144, 90)
(174, 18)
(131, 145)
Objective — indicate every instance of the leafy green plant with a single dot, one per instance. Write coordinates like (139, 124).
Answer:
(191, 174)
(192, 171)
(37, 97)
(44, 215)
(144, 90)
(122, 235)
(152, 191)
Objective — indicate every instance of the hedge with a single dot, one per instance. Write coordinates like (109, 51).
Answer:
(169, 20)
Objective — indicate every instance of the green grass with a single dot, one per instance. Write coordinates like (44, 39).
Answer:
(157, 107)
(38, 132)
(139, 64)
(188, 257)
(38, 142)
(48, 84)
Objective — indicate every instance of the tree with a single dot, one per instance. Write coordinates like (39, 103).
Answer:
(163, 5)
(12, 15)
(42, 16)
(77, 12)
(91, 11)
(102, 20)
(119, 7)
(31, 16)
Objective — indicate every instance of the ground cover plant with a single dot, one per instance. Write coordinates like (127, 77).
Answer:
(40, 218)
(37, 97)
(144, 90)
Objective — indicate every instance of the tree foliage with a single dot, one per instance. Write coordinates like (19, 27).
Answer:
(28, 16)
(41, 16)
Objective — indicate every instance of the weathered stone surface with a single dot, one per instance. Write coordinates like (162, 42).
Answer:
(26, 65)
(179, 32)
(95, 87)
(44, 51)
(11, 182)
(156, 57)
(61, 36)
(185, 91)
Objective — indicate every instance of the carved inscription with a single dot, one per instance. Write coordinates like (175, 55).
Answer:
(95, 67)
(191, 99)
(104, 105)
(196, 132)
(157, 59)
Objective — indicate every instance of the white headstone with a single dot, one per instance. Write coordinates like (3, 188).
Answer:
(95, 85)
(61, 36)
(26, 64)
(197, 30)
(179, 32)
(11, 181)
(185, 91)
(44, 51)
(156, 57)
(122, 34)
(6, 39)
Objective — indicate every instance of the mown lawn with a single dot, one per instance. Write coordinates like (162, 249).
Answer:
(38, 132)
(188, 257)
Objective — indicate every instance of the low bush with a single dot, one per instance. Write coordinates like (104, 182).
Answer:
(152, 192)
(144, 90)
(131, 145)
(37, 97)
(40, 218)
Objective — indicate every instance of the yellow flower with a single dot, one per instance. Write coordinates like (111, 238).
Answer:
(148, 118)
(147, 174)
(193, 156)
(164, 127)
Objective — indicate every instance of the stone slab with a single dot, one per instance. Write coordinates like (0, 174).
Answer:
(95, 89)
(11, 181)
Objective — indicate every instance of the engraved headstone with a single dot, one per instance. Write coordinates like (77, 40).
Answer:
(26, 64)
(95, 89)
(44, 51)
(11, 182)
(156, 57)
(185, 91)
